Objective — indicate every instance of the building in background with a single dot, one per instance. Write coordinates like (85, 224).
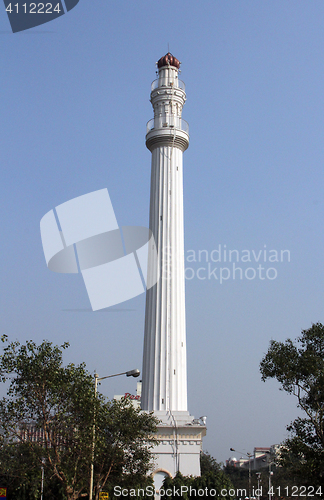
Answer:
(135, 398)
(260, 458)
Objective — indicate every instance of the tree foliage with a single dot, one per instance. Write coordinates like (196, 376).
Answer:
(21, 473)
(299, 368)
(209, 464)
(211, 483)
(48, 417)
(281, 478)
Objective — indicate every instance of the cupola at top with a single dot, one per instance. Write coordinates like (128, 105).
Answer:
(168, 60)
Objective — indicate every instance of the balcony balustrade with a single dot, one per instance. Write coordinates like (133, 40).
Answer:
(168, 82)
(164, 122)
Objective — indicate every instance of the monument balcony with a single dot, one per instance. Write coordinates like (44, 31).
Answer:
(168, 82)
(167, 130)
(167, 122)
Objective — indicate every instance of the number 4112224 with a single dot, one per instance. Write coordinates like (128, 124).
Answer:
(33, 8)
(297, 491)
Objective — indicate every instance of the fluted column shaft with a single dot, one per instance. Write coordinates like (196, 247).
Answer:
(164, 359)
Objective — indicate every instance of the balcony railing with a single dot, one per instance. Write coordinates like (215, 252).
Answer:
(162, 122)
(168, 82)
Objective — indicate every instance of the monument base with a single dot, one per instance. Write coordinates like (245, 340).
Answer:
(180, 443)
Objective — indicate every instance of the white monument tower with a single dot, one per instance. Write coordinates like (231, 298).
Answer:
(164, 388)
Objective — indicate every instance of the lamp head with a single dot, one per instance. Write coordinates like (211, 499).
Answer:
(133, 373)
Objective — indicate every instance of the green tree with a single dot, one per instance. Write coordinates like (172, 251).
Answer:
(47, 419)
(209, 464)
(123, 447)
(281, 478)
(299, 368)
(21, 474)
(210, 484)
(239, 476)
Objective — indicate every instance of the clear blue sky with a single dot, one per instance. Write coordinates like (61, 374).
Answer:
(74, 104)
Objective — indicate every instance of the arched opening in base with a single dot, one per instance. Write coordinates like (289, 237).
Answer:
(158, 477)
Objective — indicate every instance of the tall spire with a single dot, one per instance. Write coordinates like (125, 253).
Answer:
(164, 359)
(164, 389)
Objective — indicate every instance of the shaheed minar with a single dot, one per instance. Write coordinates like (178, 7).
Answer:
(164, 389)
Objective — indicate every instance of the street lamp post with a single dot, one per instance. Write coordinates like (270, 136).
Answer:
(270, 473)
(42, 483)
(249, 455)
(131, 373)
(258, 474)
